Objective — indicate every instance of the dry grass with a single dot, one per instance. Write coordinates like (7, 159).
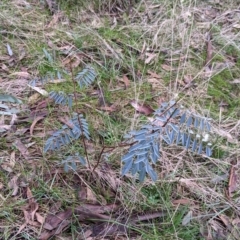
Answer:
(196, 197)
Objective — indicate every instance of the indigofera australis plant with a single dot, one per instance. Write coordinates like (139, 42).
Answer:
(171, 125)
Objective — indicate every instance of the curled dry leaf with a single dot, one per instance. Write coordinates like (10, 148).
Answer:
(183, 201)
(97, 208)
(39, 90)
(106, 174)
(6, 167)
(54, 221)
(55, 224)
(91, 198)
(39, 218)
(14, 184)
(226, 221)
(125, 80)
(145, 109)
(209, 50)
(226, 134)
(187, 218)
(34, 98)
(166, 67)
(55, 19)
(21, 74)
(105, 229)
(150, 57)
(9, 165)
(154, 81)
(22, 148)
(153, 74)
(110, 109)
(234, 181)
(29, 211)
(34, 123)
(32, 205)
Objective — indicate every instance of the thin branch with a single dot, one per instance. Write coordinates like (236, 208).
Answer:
(99, 159)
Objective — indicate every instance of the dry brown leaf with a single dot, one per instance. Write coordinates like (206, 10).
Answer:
(235, 81)
(34, 98)
(153, 74)
(187, 218)
(89, 211)
(39, 90)
(4, 68)
(183, 201)
(125, 80)
(66, 121)
(106, 229)
(187, 79)
(166, 67)
(29, 212)
(195, 188)
(56, 81)
(21, 74)
(82, 194)
(225, 134)
(236, 221)
(54, 221)
(218, 228)
(5, 166)
(34, 123)
(66, 61)
(55, 19)
(87, 234)
(145, 109)
(96, 209)
(233, 181)
(109, 176)
(153, 81)
(40, 218)
(12, 161)
(226, 220)
(148, 216)
(91, 198)
(21, 228)
(209, 50)
(22, 148)
(45, 235)
(101, 99)
(150, 57)
(111, 108)
(76, 61)
(14, 184)
(32, 205)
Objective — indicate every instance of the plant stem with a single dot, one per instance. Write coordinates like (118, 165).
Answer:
(79, 121)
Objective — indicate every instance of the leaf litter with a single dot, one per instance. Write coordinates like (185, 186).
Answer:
(88, 213)
(141, 108)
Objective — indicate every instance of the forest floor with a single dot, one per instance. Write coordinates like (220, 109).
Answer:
(144, 54)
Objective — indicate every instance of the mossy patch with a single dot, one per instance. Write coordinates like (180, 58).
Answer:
(220, 90)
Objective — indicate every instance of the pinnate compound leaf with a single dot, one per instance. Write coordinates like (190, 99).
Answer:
(142, 173)
(9, 98)
(48, 55)
(86, 77)
(67, 134)
(127, 166)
